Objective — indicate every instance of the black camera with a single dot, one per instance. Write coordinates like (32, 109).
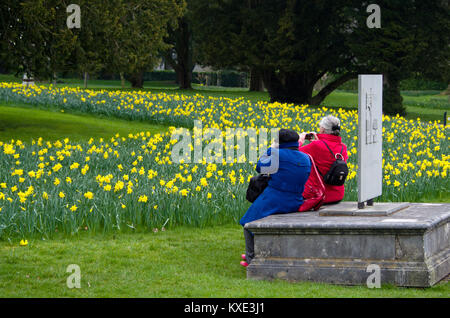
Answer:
(309, 136)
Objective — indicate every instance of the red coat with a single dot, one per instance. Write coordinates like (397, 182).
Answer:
(323, 160)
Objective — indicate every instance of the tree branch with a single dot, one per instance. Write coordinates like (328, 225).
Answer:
(330, 87)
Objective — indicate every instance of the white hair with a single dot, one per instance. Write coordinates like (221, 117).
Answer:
(331, 125)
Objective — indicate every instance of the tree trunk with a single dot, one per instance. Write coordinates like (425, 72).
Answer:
(218, 79)
(122, 80)
(256, 81)
(392, 99)
(298, 88)
(184, 78)
(85, 79)
(183, 65)
(136, 79)
(289, 87)
(54, 78)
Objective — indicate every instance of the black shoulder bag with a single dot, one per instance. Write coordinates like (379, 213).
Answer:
(338, 171)
(256, 186)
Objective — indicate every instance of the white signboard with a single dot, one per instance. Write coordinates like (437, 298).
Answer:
(370, 106)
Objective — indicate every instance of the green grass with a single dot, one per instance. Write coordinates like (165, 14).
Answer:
(24, 122)
(181, 262)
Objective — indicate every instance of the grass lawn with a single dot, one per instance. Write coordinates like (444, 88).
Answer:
(180, 262)
(24, 122)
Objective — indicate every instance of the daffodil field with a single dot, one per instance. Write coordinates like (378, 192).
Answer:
(130, 182)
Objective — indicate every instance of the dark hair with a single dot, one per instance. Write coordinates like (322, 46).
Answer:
(287, 135)
(336, 130)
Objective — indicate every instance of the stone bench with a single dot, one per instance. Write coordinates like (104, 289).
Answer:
(410, 244)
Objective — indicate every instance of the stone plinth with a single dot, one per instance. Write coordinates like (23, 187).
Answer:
(351, 209)
(411, 246)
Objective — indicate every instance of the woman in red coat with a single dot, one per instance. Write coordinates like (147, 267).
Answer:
(317, 148)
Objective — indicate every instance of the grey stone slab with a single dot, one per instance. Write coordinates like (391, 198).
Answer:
(411, 246)
(351, 209)
(417, 218)
(407, 274)
(438, 240)
(327, 246)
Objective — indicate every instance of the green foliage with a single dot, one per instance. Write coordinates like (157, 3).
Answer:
(90, 49)
(34, 37)
(292, 43)
(124, 36)
(136, 31)
(392, 101)
(410, 40)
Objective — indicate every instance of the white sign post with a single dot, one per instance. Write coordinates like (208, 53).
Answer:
(370, 107)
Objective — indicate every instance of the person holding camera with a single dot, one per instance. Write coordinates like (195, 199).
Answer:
(326, 148)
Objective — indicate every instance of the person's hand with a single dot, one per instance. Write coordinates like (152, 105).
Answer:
(314, 136)
(301, 140)
(274, 145)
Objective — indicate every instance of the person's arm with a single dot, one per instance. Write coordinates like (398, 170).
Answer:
(301, 141)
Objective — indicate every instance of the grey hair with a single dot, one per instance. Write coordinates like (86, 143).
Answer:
(331, 125)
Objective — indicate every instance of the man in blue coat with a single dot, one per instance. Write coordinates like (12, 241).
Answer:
(284, 191)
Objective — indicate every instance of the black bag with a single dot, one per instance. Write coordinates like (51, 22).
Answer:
(256, 186)
(338, 171)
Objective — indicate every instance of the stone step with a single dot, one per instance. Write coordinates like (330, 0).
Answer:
(411, 246)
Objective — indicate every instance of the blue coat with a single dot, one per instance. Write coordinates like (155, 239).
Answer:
(284, 191)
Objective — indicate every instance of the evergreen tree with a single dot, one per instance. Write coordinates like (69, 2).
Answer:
(295, 43)
(292, 44)
(34, 37)
(413, 37)
(181, 53)
(136, 32)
